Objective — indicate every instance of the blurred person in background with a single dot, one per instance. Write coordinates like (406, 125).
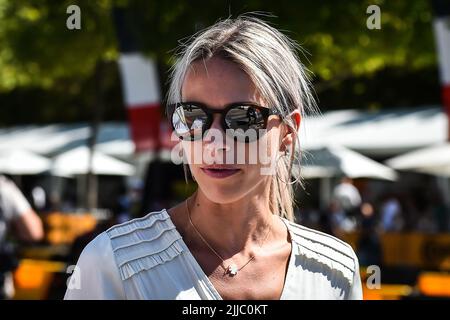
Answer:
(234, 238)
(344, 208)
(347, 196)
(39, 198)
(369, 248)
(427, 223)
(340, 221)
(391, 214)
(19, 220)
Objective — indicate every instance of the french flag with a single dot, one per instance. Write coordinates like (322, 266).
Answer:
(441, 26)
(140, 86)
(141, 90)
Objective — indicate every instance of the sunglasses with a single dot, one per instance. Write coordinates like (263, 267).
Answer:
(190, 120)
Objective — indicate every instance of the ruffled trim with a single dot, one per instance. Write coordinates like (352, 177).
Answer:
(137, 224)
(322, 238)
(141, 236)
(142, 244)
(333, 264)
(327, 250)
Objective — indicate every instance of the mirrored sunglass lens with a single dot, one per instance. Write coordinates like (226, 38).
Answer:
(245, 117)
(245, 121)
(188, 120)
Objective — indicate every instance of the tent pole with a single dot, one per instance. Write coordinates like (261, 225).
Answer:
(443, 184)
(56, 186)
(81, 190)
(325, 192)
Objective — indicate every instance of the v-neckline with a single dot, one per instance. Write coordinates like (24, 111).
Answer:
(207, 281)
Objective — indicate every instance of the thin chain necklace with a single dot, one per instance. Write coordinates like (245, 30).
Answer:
(232, 268)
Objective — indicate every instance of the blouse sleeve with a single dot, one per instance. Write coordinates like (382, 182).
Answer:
(96, 277)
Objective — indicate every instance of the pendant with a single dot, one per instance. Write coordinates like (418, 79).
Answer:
(232, 269)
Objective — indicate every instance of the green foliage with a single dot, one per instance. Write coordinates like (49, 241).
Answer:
(37, 50)
(333, 32)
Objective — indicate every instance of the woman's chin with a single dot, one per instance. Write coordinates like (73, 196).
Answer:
(223, 195)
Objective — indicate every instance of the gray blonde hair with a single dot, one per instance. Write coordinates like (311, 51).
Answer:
(270, 60)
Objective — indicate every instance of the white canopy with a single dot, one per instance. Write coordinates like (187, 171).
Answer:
(76, 161)
(53, 139)
(379, 133)
(43, 140)
(434, 160)
(123, 149)
(16, 161)
(336, 160)
(311, 171)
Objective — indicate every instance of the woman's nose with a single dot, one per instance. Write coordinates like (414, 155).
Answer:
(214, 138)
(216, 131)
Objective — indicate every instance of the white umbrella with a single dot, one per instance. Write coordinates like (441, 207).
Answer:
(312, 171)
(437, 170)
(76, 162)
(434, 160)
(336, 160)
(124, 149)
(18, 162)
(384, 132)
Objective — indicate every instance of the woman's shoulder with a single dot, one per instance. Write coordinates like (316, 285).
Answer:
(146, 222)
(324, 248)
(129, 233)
(142, 243)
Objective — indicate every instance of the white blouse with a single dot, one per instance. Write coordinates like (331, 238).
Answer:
(146, 258)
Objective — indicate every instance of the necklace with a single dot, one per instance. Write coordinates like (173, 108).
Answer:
(232, 268)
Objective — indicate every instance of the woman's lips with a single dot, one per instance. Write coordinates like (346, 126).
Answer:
(220, 172)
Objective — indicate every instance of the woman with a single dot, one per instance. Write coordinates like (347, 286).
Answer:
(237, 85)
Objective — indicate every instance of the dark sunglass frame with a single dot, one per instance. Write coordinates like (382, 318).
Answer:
(209, 112)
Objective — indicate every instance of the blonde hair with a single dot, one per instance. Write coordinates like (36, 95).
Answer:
(270, 60)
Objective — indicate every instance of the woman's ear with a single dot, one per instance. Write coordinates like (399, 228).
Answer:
(297, 118)
(289, 134)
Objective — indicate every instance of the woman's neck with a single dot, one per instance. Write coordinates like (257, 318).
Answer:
(235, 226)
